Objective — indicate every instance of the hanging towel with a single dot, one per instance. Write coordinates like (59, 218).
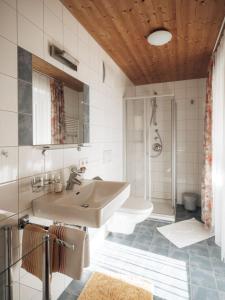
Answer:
(72, 262)
(32, 245)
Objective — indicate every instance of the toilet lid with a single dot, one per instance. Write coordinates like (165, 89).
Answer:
(137, 205)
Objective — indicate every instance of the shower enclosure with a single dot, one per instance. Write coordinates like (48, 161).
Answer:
(151, 152)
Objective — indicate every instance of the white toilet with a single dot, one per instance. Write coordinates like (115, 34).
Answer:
(134, 211)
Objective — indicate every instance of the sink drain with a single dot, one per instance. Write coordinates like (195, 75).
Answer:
(85, 205)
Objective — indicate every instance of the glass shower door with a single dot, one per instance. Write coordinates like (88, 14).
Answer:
(162, 155)
(137, 151)
(150, 152)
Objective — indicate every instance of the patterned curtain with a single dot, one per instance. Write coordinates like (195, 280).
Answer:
(57, 112)
(206, 190)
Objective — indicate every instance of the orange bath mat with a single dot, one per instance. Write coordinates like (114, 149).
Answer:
(104, 287)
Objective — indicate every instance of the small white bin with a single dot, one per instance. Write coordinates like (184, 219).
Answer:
(190, 201)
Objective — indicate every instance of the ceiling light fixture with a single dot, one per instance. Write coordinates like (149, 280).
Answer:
(159, 37)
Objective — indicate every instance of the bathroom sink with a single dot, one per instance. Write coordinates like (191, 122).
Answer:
(90, 204)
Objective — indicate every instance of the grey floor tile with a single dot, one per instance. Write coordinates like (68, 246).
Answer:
(144, 236)
(160, 241)
(211, 241)
(199, 293)
(198, 250)
(184, 250)
(130, 237)
(222, 295)
(202, 262)
(221, 283)
(66, 296)
(139, 245)
(203, 278)
(178, 254)
(160, 250)
(218, 266)
(215, 251)
(126, 242)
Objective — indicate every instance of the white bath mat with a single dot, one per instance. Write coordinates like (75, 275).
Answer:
(185, 233)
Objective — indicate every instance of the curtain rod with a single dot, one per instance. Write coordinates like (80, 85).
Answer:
(219, 36)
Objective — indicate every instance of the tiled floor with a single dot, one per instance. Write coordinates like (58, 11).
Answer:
(162, 207)
(194, 272)
(182, 214)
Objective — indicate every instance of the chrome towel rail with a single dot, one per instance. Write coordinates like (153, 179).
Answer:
(8, 262)
(25, 221)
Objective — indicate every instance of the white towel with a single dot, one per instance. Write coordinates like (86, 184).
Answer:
(72, 262)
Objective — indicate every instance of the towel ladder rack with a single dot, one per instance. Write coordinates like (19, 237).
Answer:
(8, 291)
(25, 221)
(46, 275)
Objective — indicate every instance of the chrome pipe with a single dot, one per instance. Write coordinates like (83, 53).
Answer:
(8, 262)
(46, 278)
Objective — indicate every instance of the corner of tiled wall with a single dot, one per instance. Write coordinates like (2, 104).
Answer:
(32, 25)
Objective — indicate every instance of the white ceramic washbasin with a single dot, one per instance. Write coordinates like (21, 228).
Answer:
(90, 204)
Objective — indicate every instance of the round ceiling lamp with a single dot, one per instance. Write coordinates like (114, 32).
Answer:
(159, 37)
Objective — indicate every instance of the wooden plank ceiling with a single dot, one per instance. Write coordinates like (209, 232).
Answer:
(120, 27)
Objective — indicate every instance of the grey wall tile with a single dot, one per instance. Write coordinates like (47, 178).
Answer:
(24, 65)
(24, 97)
(86, 133)
(25, 130)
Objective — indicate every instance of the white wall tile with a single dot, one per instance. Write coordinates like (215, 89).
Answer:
(8, 164)
(8, 27)
(11, 3)
(71, 157)
(70, 42)
(53, 160)
(83, 34)
(53, 26)
(69, 21)
(8, 129)
(8, 58)
(26, 194)
(83, 52)
(30, 37)
(9, 199)
(32, 10)
(31, 161)
(8, 96)
(55, 6)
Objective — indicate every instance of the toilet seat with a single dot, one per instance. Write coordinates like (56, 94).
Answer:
(132, 206)
(129, 215)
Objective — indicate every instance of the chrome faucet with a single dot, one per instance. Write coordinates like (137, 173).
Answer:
(73, 179)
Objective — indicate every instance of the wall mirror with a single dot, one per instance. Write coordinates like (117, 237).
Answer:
(53, 106)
